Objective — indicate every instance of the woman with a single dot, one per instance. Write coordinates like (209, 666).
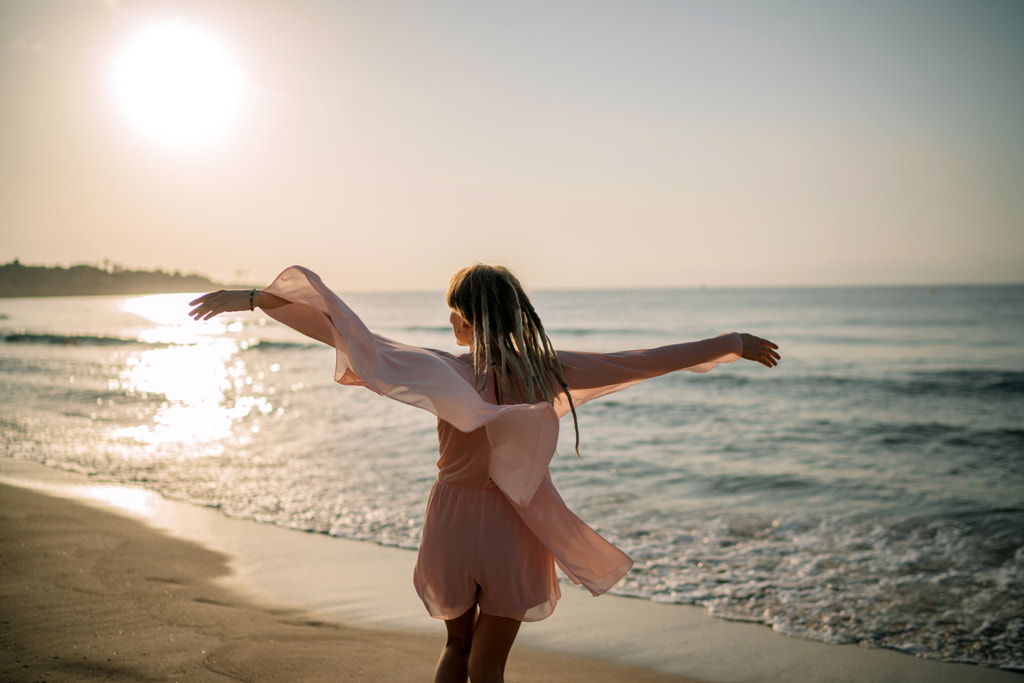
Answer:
(495, 525)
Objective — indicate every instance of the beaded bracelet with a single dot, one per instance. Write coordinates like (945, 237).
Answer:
(252, 301)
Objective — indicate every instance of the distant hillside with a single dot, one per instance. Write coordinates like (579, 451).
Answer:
(20, 280)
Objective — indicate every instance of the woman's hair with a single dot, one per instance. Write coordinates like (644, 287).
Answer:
(508, 337)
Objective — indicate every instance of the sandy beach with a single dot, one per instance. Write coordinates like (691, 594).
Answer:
(106, 582)
(89, 595)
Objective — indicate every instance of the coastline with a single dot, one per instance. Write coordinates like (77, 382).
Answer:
(18, 280)
(137, 584)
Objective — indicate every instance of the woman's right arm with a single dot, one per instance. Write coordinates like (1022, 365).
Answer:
(590, 375)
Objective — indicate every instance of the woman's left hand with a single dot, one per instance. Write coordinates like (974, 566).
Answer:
(222, 301)
(760, 350)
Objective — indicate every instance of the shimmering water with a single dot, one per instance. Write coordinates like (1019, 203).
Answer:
(869, 489)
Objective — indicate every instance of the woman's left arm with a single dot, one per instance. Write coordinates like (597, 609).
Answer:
(590, 375)
(300, 318)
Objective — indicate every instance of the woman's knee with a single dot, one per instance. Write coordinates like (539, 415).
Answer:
(459, 645)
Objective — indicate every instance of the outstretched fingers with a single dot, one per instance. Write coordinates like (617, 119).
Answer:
(215, 303)
(200, 299)
(769, 353)
(760, 350)
(203, 307)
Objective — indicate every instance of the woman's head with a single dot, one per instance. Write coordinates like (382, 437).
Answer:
(504, 326)
(489, 298)
(507, 336)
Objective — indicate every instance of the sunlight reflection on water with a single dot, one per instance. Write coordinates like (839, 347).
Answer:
(206, 387)
(173, 325)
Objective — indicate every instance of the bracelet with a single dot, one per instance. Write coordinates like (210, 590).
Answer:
(252, 299)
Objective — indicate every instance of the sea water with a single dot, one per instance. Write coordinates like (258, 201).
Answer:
(869, 489)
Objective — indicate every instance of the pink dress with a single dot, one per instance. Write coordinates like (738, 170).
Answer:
(495, 525)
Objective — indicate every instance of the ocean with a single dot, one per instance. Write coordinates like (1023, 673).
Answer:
(868, 490)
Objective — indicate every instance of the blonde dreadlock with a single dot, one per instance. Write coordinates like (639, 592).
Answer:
(508, 337)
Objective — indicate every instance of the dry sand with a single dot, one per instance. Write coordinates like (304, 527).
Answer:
(107, 582)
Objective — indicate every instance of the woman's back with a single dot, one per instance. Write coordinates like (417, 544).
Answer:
(465, 457)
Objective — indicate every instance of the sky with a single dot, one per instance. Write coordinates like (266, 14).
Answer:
(581, 143)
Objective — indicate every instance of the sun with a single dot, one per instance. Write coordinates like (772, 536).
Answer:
(178, 84)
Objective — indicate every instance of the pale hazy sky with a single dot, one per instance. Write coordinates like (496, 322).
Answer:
(582, 143)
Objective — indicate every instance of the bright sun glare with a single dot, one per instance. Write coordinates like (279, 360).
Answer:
(178, 84)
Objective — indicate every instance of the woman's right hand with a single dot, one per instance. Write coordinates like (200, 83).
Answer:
(760, 350)
(222, 301)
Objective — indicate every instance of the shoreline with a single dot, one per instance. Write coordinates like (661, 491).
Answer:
(90, 594)
(242, 590)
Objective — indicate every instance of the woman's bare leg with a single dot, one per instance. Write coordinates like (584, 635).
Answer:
(492, 641)
(453, 667)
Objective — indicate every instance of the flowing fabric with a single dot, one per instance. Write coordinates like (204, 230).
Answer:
(518, 440)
